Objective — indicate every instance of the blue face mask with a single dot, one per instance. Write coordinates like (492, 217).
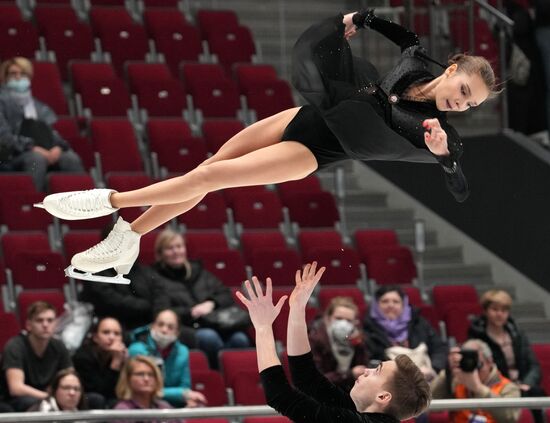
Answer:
(20, 85)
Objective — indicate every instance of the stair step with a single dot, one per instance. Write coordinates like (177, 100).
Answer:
(527, 310)
(380, 217)
(435, 255)
(357, 199)
(537, 329)
(457, 274)
(406, 237)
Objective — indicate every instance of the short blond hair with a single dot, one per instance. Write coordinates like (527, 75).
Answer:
(163, 239)
(496, 296)
(123, 390)
(24, 63)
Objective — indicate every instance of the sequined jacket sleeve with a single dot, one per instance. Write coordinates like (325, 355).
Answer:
(394, 32)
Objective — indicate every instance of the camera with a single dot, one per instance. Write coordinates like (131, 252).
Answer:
(469, 361)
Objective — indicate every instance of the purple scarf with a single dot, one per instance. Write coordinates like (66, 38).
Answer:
(395, 329)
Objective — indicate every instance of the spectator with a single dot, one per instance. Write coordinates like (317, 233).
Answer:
(480, 380)
(392, 322)
(140, 386)
(192, 292)
(509, 345)
(65, 394)
(32, 359)
(338, 343)
(27, 140)
(99, 361)
(542, 34)
(160, 341)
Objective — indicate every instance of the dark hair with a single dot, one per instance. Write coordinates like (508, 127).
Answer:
(168, 309)
(477, 65)
(96, 323)
(384, 289)
(410, 391)
(39, 307)
(54, 385)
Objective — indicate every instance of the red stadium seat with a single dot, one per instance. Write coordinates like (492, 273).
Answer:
(542, 351)
(457, 318)
(14, 243)
(200, 242)
(270, 98)
(392, 265)
(26, 298)
(234, 361)
(311, 240)
(217, 132)
(162, 98)
(413, 293)
(216, 98)
(46, 87)
(68, 129)
(119, 35)
(438, 417)
(253, 242)
(308, 184)
(9, 327)
(327, 294)
(231, 46)
(18, 39)
(367, 240)
(247, 387)
(17, 182)
(85, 72)
(143, 73)
(210, 384)
(211, 20)
(342, 265)
(267, 419)
(257, 210)
(38, 269)
(116, 142)
(227, 265)
(196, 73)
(106, 98)
(312, 210)
(280, 264)
(231, 193)
(443, 296)
(176, 149)
(147, 248)
(18, 213)
(251, 75)
(209, 213)
(10, 13)
(51, 15)
(198, 362)
(176, 39)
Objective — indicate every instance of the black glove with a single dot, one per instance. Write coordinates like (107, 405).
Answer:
(363, 18)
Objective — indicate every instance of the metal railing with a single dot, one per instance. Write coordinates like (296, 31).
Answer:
(257, 410)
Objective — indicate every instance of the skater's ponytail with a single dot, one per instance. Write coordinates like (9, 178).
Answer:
(477, 65)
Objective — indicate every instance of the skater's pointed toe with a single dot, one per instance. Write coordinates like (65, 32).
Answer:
(76, 205)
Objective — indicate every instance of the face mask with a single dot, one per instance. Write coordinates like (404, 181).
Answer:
(20, 85)
(162, 340)
(341, 329)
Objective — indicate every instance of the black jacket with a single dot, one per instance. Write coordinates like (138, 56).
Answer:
(526, 361)
(131, 304)
(369, 117)
(420, 331)
(313, 398)
(173, 290)
(94, 369)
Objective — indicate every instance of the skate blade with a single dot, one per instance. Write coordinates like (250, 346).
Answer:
(39, 205)
(73, 272)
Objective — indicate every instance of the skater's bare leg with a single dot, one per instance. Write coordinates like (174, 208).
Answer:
(261, 134)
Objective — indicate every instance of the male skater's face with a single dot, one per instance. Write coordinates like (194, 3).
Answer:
(371, 385)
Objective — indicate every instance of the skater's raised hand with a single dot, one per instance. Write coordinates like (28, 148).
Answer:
(306, 280)
(260, 306)
(350, 29)
(435, 137)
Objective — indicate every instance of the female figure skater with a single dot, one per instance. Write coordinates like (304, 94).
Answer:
(349, 116)
(396, 390)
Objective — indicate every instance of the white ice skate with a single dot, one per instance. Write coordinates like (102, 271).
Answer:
(118, 251)
(76, 205)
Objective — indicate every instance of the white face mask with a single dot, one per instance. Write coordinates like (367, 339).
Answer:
(20, 85)
(162, 340)
(341, 329)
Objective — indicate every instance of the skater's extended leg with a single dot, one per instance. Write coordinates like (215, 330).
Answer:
(281, 162)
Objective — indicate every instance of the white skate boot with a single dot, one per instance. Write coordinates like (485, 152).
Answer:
(118, 251)
(75, 205)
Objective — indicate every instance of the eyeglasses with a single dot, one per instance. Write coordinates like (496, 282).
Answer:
(70, 388)
(144, 374)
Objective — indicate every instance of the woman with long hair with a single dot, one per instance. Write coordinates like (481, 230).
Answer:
(352, 114)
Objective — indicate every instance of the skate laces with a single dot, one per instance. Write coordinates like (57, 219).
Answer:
(83, 201)
(108, 246)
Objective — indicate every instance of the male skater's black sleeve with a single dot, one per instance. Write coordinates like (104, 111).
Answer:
(301, 408)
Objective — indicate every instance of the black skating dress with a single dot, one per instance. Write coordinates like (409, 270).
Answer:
(353, 114)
